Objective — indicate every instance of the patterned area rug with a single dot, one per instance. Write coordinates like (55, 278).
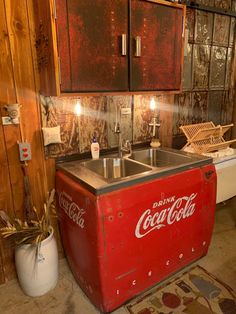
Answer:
(194, 292)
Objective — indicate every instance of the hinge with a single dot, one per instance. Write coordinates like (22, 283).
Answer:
(59, 69)
(54, 9)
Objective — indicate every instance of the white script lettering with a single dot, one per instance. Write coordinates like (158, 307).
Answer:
(182, 208)
(73, 211)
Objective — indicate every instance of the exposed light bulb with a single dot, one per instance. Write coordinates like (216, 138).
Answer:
(152, 104)
(77, 108)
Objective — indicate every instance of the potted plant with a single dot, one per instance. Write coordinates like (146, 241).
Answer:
(36, 255)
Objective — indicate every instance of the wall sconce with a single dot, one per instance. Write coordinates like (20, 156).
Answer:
(152, 104)
(77, 108)
(154, 123)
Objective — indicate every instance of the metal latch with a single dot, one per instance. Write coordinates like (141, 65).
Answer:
(208, 174)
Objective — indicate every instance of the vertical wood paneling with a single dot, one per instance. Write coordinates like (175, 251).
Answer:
(20, 43)
(8, 134)
(63, 45)
(44, 18)
(7, 94)
(6, 254)
(12, 132)
(18, 85)
(233, 84)
(2, 275)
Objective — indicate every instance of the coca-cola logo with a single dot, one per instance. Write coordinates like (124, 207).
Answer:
(181, 208)
(73, 211)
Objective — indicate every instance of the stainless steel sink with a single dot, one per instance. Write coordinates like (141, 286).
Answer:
(159, 158)
(114, 168)
(111, 173)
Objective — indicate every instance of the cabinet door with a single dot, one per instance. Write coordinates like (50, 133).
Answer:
(156, 46)
(90, 45)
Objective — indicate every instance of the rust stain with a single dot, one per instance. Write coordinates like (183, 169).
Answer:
(126, 274)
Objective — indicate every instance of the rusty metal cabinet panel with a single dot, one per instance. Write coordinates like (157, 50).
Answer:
(233, 7)
(183, 114)
(228, 67)
(227, 107)
(94, 45)
(203, 27)
(201, 62)
(221, 30)
(190, 20)
(156, 46)
(214, 106)
(209, 3)
(89, 43)
(223, 4)
(232, 31)
(199, 107)
(114, 102)
(218, 67)
(187, 69)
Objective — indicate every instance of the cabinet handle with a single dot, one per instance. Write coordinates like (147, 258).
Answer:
(123, 45)
(138, 46)
(54, 9)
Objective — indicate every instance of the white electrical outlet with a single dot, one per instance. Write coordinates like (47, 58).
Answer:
(7, 121)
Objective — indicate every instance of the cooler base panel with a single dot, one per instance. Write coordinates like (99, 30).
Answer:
(124, 242)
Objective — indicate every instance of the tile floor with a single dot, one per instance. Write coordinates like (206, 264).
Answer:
(67, 297)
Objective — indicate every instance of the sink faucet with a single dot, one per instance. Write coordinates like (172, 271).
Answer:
(127, 148)
(118, 131)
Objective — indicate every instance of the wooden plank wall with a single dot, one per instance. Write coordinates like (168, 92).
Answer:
(233, 82)
(18, 84)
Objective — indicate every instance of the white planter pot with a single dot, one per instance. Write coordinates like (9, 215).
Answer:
(37, 272)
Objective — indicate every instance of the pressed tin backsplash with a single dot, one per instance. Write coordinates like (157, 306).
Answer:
(98, 116)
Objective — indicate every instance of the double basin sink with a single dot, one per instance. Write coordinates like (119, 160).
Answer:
(139, 162)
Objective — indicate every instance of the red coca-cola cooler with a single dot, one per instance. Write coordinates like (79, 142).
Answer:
(123, 238)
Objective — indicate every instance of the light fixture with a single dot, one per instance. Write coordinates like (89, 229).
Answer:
(152, 104)
(77, 108)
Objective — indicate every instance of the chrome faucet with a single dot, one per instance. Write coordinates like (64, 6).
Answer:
(127, 148)
(118, 131)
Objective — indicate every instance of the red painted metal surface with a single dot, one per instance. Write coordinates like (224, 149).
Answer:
(120, 243)
(89, 43)
(160, 28)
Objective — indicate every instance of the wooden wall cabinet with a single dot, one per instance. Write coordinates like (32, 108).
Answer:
(109, 46)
